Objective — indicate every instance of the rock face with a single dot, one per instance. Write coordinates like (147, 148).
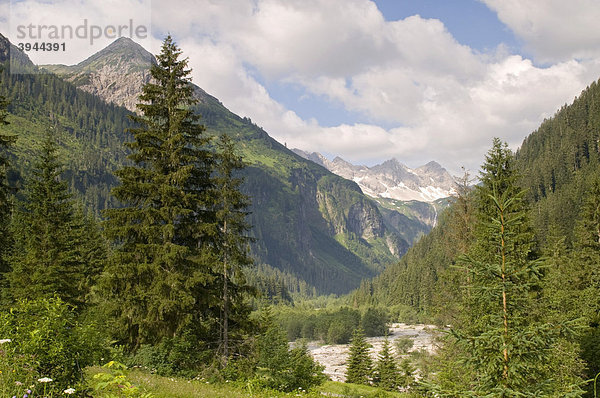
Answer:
(392, 179)
(115, 74)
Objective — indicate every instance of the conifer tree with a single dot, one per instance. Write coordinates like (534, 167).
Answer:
(232, 245)
(158, 277)
(386, 370)
(505, 341)
(360, 365)
(584, 286)
(47, 261)
(5, 194)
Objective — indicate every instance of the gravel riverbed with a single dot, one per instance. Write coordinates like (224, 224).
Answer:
(334, 356)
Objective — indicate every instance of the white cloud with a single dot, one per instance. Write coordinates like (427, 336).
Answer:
(74, 22)
(553, 30)
(437, 99)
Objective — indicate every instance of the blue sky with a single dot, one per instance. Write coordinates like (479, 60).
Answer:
(417, 80)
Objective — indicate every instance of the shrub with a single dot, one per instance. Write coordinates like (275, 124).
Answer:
(403, 344)
(281, 369)
(112, 382)
(47, 342)
(339, 333)
(182, 355)
(374, 322)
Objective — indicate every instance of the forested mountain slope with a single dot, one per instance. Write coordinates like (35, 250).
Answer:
(558, 164)
(314, 226)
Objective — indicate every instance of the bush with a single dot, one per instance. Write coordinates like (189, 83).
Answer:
(44, 340)
(112, 382)
(374, 322)
(403, 345)
(339, 333)
(280, 369)
(182, 356)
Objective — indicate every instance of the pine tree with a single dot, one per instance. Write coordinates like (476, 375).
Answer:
(5, 194)
(360, 365)
(386, 370)
(47, 261)
(158, 277)
(231, 211)
(584, 287)
(507, 344)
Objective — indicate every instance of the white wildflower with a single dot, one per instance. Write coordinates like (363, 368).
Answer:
(45, 380)
(69, 391)
(5, 341)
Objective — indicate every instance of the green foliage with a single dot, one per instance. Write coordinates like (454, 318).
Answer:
(54, 252)
(360, 365)
(5, 194)
(374, 322)
(503, 339)
(46, 340)
(89, 130)
(181, 355)
(112, 382)
(403, 344)
(333, 326)
(282, 369)
(232, 242)
(156, 282)
(386, 371)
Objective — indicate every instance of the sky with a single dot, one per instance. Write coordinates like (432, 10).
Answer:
(416, 80)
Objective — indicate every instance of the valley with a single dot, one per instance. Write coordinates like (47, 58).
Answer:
(156, 241)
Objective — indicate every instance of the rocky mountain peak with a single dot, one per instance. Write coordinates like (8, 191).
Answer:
(392, 179)
(115, 73)
(124, 51)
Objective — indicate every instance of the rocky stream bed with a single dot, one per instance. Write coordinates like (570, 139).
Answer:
(334, 357)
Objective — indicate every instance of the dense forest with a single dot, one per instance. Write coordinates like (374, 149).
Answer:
(555, 177)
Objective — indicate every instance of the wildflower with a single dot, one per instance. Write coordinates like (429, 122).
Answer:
(69, 391)
(2, 341)
(18, 383)
(45, 380)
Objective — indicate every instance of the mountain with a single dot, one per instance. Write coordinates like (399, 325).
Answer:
(113, 74)
(392, 179)
(409, 199)
(310, 225)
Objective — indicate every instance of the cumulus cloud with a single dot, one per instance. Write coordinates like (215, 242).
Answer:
(553, 30)
(417, 93)
(84, 26)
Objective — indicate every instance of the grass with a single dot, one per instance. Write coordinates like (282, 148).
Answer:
(173, 387)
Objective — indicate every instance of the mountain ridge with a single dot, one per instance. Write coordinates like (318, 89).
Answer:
(392, 179)
(309, 223)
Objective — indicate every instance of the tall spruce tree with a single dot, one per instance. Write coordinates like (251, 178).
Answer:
(386, 371)
(584, 286)
(360, 365)
(232, 245)
(47, 260)
(157, 279)
(5, 203)
(505, 342)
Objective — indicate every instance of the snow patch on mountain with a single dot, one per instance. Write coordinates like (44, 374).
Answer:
(392, 179)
